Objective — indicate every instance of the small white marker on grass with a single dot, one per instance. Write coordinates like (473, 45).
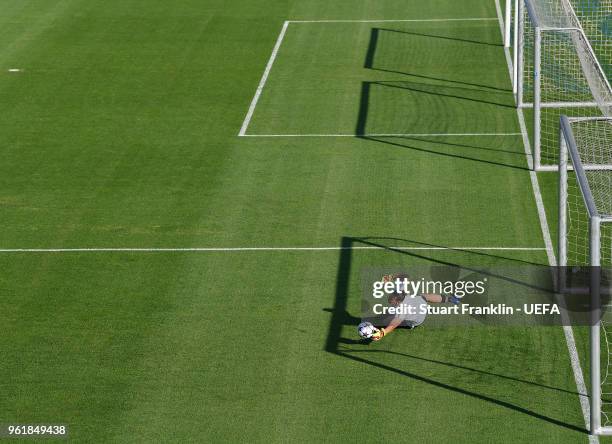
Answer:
(14, 70)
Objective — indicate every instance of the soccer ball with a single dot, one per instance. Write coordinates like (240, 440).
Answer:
(366, 330)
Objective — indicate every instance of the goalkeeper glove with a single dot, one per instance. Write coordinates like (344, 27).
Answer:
(453, 299)
(378, 335)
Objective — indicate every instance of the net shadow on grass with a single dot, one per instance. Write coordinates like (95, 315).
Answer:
(443, 385)
(405, 144)
(463, 367)
(373, 43)
(451, 92)
(458, 90)
(412, 142)
(341, 317)
(519, 153)
(383, 241)
(442, 37)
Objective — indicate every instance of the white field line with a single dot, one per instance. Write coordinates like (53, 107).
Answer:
(239, 249)
(263, 80)
(567, 329)
(388, 135)
(466, 19)
(583, 395)
(537, 194)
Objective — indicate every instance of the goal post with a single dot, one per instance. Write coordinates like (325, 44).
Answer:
(559, 73)
(510, 33)
(585, 240)
(508, 23)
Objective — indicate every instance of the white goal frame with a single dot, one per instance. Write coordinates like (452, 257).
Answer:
(570, 160)
(527, 11)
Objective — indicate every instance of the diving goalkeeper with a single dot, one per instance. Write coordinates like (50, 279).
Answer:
(409, 317)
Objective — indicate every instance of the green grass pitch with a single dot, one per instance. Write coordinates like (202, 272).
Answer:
(120, 130)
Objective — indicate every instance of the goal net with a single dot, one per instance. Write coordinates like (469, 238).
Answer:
(594, 16)
(558, 74)
(585, 239)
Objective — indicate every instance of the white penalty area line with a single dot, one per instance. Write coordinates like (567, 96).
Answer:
(281, 36)
(388, 135)
(465, 19)
(239, 249)
(264, 79)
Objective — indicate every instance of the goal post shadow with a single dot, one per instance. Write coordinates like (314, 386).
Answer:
(341, 317)
(437, 144)
(340, 313)
(423, 87)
